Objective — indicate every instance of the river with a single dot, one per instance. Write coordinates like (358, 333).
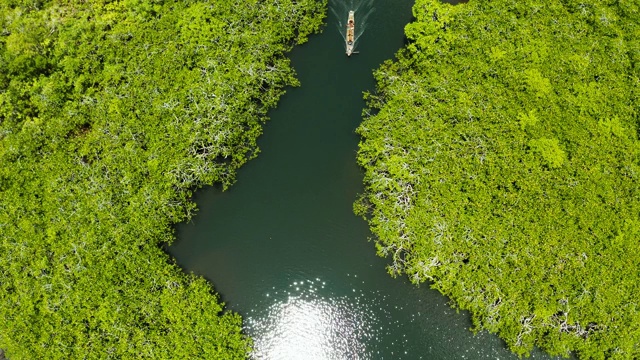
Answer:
(282, 245)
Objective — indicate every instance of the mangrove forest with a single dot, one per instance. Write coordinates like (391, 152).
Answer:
(111, 114)
(502, 160)
(500, 152)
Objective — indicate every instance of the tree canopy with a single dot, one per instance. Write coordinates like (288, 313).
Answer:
(502, 160)
(111, 114)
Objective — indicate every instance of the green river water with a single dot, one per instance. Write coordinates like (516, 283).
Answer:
(283, 247)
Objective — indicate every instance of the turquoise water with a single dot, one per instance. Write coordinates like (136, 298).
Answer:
(283, 247)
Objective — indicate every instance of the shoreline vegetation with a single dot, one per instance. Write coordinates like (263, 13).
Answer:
(502, 161)
(111, 114)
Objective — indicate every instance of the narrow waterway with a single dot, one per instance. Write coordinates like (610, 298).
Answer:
(283, 247)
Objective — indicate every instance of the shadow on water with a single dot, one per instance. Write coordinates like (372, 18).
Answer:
(282, 245)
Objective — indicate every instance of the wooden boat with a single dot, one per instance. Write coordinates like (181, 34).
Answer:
(351, 33)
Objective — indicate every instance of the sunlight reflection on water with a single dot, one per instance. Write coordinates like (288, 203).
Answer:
(305, 325)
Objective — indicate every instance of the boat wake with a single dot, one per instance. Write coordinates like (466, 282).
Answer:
(341, 10)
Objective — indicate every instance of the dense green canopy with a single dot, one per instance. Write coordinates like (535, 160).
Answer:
(110, 114)
(502, 164)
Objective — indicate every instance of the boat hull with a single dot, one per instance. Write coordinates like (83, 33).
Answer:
(351, 31)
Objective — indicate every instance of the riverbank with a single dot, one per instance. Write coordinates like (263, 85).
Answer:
(282, 245)
(501, 167)
(110, 116)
